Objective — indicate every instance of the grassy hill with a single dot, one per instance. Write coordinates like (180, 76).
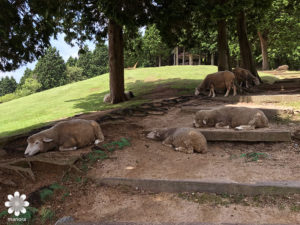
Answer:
(36, 110)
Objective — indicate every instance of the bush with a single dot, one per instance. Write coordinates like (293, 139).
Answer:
(74, 74)
(8, 97)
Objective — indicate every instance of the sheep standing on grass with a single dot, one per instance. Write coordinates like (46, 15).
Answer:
(128, 94)
(187, 140)
(245, 77)
(234, 117)
(219, 81)
(66, 136)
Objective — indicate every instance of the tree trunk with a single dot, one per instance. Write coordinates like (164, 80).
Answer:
(174, 58)
(264, 50)
(212, 59)
(159, 61)
(223, 49)
(183, 59)
(247, 61)
(190, 59)
(116, 62)
(177, 59)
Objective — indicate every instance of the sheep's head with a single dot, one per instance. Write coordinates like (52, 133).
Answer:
(36, 144)
(154, 134)
(203, 119)
(256, 81)
(157, 134)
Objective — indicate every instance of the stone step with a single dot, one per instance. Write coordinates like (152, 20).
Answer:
(260, 98)
(157, 223)
(177, 186)
(257, 135)
(271, 113)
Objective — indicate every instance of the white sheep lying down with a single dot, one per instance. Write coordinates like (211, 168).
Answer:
(234, 117)
(183, 139)
(128, 94)
(66, 136)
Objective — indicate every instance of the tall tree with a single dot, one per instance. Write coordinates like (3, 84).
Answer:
(83, 20)
(27, 73)
(72, 61)
(51, 70)
(29, 28)
(25, 30)
(247, 61)
(278, 32)
(153, 46)
(7, 85)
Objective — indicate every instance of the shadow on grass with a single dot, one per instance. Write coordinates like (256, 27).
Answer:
(140, 88)
(23, 132)
(269, 79)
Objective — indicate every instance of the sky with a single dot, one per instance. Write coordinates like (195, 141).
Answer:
(64, 49)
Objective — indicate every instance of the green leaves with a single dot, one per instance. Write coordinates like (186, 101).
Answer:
(51, 70)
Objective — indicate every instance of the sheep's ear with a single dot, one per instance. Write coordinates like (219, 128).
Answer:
(204, 122)
(47, 139)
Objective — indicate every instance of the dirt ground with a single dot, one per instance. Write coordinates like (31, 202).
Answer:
(150, 159)
(144, 158)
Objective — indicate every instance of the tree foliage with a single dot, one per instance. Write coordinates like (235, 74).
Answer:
(7, 85)
(25, 30)
(74, 74)
(27, 73)
(51, 70)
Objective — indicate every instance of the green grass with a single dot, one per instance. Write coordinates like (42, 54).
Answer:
(36, 110)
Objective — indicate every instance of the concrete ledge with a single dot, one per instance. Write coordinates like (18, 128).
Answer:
(270, 113)
(260, 98)
(157, 223)
(257, 135)
(157, 185)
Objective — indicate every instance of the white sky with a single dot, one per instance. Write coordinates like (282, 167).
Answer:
(64, 49)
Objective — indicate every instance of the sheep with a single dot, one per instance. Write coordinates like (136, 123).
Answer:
(183, 139)
(231, 117)
(283, 67)
(244, 76)
(221, 81)
(128, 94)
(67, 136)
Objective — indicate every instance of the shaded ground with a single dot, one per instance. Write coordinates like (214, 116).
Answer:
(150, 159)
(80, 197)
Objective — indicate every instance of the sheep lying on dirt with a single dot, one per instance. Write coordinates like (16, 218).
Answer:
(66, 135)
(185, 140)
(220, 81)
(245, 77)
(128, 94)
(234, 117)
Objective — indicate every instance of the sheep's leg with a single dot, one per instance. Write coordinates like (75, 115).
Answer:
(221, 125)
(245, 127)
(61, 148)
(188, 146)
(227, 92)
(234, 90)
(228, 86)
(247, 86)
(209, 93)
(168, 142)
(69, 145)
(185, 150)
(213, 91)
